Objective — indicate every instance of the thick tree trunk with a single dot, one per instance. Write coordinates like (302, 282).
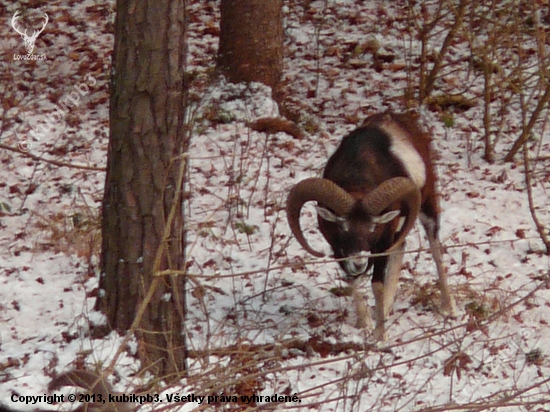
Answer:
(144, 161)
(251, 41)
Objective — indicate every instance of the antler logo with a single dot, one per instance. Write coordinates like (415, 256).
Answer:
(29, 40)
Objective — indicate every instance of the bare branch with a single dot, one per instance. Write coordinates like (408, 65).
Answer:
(50, 161)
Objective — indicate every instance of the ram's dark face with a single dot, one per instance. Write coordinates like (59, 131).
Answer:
(354, 226)
(356, 235)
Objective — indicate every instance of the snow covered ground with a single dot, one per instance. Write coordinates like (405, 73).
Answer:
(264, 317)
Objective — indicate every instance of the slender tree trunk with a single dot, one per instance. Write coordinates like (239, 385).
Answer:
(251, 41)
(143, 227)
(526, 132)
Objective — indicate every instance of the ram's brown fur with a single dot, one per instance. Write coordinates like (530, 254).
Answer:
(388, 149)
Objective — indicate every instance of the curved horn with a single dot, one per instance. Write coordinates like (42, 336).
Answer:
(397, 189)
(325, 192)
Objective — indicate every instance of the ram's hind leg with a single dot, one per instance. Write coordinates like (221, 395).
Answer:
(391, 278)
(447, 301)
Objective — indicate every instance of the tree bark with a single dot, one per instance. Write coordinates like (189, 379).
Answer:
(251, 41)
(143, 227)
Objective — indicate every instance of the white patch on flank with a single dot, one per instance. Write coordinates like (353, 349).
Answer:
(403, 149)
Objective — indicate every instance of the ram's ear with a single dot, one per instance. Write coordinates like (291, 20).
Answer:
(386, 217)
(331, 217)
(327, 214)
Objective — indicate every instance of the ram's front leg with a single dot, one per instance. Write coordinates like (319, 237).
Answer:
(383, 296)
(364, 319)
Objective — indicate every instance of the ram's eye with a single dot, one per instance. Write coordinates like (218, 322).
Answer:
(344, 224)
